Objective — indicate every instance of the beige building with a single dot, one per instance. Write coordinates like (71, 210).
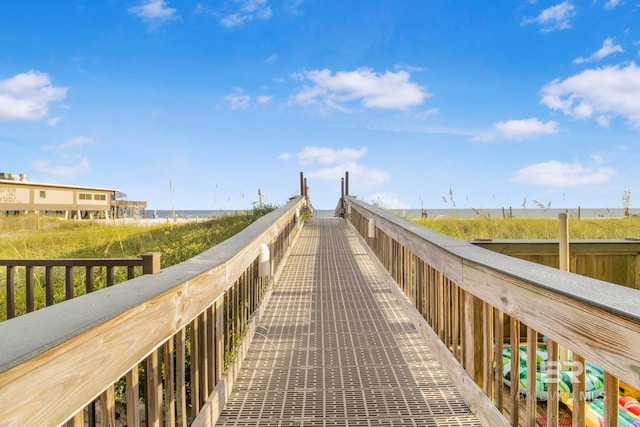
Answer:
(17, 195)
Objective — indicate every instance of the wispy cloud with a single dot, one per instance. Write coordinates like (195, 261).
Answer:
(367, 177)
(238, 100)
(324, 155)
(516, 130)
(386, 200)
(558, 174)
(27, 96)
(554, 18)
(337, 91)
(335, 162)
(607, 49)
(292, 7)
(611, 4)
(271, 59)
(70, 143)
(247, 11)
(600, 93)
(68, 171)
(153, 11)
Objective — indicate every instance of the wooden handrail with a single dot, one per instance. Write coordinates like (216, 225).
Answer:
(57, 360)
(460, 289)
(148, 263)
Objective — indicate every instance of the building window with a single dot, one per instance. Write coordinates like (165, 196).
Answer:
(99, 197)
(43, 194)
(84, 196)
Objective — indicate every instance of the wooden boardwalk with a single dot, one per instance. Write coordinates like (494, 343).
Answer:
(335, 348)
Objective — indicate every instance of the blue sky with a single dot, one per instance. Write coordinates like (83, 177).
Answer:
(198, 104)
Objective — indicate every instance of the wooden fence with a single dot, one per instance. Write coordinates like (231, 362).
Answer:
(466, 299)
(65, 289)
(156, 350)
(612, 260)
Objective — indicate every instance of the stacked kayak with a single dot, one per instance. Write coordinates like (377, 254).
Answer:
(594, 376)
(628, 412)
(628, 404)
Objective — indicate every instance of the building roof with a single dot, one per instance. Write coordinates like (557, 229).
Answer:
(42, 184)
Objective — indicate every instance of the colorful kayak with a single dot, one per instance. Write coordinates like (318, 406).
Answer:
(594, 376)
(595, 412)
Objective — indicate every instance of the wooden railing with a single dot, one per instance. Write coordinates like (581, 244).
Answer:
(159, 349)
(471, 303)
(67, 286)
(611, 260)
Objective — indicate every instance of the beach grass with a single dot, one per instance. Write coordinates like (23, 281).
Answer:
(532, 228)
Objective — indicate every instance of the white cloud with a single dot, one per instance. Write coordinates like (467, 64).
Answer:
(386, 201)
(52, 121)
(66, 172)
(557, 174)
(366, 177)
(428, 113)
(554, 18)
(612, 4)
(326, 156)
(527, 128)
(607, 49)
(238, 100)
(285, 156)
(26, 96)
(70, 143)
(271, 59)
(293, 6)
(249, 10)
(407, 67)
(519, 129)
(390, 90)
(153, 11)
(335, 162)
(603, 92)
(263, 99)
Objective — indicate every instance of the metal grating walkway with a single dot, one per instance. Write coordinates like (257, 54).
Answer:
(334, 347)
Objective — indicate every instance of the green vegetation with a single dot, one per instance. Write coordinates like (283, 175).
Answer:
(30, 236)
(532, 228)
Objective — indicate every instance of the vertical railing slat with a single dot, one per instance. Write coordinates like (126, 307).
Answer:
(68, 282)
(108, 408)
(498, 348)
(532, 360)
(133, 396)
(49, 285)
(89, 279)
(553, 372)
(514, 392)
(11, 292)
(169, 384)
(612, 394)
(153, 384)
(579, 390)
(181, 380)
(30, 293)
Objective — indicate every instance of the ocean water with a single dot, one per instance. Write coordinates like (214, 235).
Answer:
(430, 213)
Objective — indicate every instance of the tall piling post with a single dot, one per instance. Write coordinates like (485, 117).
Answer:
(346, 183)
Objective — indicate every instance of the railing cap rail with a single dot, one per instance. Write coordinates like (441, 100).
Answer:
(615, 299)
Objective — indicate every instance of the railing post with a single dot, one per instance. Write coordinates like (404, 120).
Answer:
(151, 263)
(346, 183)
(302, 189)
